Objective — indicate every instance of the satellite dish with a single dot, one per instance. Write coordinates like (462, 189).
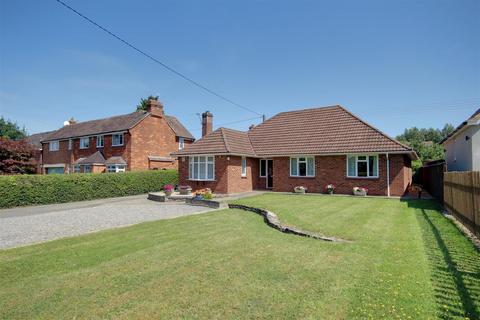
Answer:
(66, 123)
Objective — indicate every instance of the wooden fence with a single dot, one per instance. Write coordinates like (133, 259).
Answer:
(462, 197)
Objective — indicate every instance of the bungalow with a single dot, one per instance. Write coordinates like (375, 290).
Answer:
(310, 148)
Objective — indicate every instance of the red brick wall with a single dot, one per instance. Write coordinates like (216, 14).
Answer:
(332, 169)
(153, 137)
(237, 183)
(220, 185)
(328, 169)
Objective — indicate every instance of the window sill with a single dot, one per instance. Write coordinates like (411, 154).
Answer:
(117, 145)
(363, 178)
(201, 180)
(303, 177)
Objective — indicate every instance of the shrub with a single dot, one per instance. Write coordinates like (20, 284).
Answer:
(23, 190)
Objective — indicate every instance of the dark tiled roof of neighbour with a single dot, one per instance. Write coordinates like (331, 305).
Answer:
(222, 140)
(115, 160)
(463, 124)
(319, 131)
(327, 130)
(178, 128)
(112, 124)
(35, 139)
(96, 158)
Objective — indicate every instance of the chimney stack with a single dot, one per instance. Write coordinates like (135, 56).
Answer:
(155, 108)
(69, 122)
(207, 123)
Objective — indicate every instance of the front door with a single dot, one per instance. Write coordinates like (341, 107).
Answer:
(269, 174)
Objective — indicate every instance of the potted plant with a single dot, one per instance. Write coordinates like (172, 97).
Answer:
(185, 190)
(299, 189)
(330, 188)
(360, 191)
(168, 189)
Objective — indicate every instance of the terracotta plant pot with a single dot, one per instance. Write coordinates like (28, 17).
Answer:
(168, 193)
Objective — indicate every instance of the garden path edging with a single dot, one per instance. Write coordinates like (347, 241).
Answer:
(272, 220)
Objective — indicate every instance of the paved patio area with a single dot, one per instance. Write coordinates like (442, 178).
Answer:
(28, 225)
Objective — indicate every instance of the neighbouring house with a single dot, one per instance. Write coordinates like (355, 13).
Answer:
(36, 141)
(310, 148)
(462, 146)
(140, 140)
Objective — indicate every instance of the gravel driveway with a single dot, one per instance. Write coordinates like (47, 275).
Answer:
(27, 225)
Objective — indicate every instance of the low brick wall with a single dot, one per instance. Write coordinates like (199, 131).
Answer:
(272, 220)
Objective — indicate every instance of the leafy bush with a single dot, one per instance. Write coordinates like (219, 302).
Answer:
(23, 190)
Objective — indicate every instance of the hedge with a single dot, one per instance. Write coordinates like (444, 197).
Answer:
(24, 190)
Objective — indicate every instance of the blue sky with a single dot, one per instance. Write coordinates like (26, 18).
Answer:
(396, 64)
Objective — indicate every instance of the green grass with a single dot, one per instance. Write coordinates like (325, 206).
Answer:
(406, 260)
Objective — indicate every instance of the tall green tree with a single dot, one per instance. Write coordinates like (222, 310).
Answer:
(142, 106)
(426, 142)
(11, 130)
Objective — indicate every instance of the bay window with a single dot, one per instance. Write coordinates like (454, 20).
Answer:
(114, 168)
(362, 166)
(201, 168)
(302, 166)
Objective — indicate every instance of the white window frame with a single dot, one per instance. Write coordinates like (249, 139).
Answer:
(260, 168)
(77, 169)
(368, 176)
(85, 166)
(298, 167)
(100, 138)
(115, 168)
(181, 143)
(192, 160)
(70, 144)
(118, 144)
(244, 166)
(54, 145)
(82, 143)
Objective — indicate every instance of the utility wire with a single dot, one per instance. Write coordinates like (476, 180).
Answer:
(181, 75)
(233, 122)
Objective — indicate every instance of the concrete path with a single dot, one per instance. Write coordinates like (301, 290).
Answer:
(28, 225)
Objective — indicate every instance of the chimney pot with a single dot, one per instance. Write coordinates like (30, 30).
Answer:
(207, 123)
(155, 108)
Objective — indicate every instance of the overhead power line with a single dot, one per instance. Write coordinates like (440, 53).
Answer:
(164, 65)
(232, 122)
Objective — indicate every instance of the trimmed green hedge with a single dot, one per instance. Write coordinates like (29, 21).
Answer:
(23, 190)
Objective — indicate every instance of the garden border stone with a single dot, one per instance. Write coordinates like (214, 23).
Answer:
(272, 220)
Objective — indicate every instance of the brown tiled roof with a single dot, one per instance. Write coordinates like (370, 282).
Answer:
(463, 124)
(319, 131)
(35, 139)
(327, 130)
(115, 160)
(221, 141)
(178, 128)
(96, 158)
(112, 124)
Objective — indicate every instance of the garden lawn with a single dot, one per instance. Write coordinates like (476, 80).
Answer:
(405, 260)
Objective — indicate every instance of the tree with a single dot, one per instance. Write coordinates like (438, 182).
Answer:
(426, 142)
(142, 106)
(11, 130)
(16, 157)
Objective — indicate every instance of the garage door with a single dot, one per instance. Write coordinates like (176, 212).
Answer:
(55, 170)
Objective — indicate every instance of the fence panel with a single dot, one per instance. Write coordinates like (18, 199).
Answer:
(462, 197)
